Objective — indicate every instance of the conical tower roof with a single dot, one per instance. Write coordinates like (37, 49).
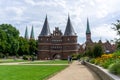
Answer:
(45, 30)
(88, 28)
(26, 34)
(32, 33)
(69, 31)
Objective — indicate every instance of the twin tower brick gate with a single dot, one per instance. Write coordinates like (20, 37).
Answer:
(57, 45)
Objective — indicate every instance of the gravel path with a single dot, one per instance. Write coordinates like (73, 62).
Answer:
(75, 71)
(25, 63)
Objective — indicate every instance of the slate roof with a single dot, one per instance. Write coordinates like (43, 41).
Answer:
(45, 30)
(69, 31)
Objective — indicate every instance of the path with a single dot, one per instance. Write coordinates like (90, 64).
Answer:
(25, 63)
(75, 71)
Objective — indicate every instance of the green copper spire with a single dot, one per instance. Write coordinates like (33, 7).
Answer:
(88, 27)
(26, 33)
(32, 33)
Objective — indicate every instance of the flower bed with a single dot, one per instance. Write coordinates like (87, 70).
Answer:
(102, 73)
(109, 61)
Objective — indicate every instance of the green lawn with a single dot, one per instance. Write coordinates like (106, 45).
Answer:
(11, 60)
(25, 72)
(50, 62)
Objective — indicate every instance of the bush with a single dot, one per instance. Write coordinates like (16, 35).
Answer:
(74, 56)
(92, 60)
(116, 54)
(26, 57)
(97, 50)
(114, 68)
(107, 63)
(2, 55)
(89, 52)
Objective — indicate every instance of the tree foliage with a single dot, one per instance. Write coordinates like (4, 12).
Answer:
(32, 46)
(117, 29)
(94, 50)
(97, 50)
(12, 44)
(89, 52)
(23, 46)
(8, 38)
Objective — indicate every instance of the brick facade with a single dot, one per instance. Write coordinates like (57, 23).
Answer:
(57, 45)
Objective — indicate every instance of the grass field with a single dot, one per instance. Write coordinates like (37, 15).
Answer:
(23, 72)
(11, 60)
(50, 62)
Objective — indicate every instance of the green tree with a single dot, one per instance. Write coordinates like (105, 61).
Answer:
(23, 46)
(97, 50)
(32, 46)
(3, 39)
(89, 52)
(10, 30)
(15, 47)
(8, 34)
(117, 29)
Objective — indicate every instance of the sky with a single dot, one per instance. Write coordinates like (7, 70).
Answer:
(101, 14)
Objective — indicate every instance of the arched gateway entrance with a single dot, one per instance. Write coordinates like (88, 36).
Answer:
(56, 56)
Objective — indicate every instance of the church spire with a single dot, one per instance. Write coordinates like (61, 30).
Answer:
(32, 33)
(26, 34)
(88, 27)
(88, 33)
(45, 30)
(69, 31)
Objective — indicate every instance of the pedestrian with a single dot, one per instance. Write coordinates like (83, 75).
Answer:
(68, 59)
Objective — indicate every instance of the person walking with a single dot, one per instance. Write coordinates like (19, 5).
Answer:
(68, 59)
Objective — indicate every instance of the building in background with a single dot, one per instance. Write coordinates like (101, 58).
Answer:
(106, 46)
(26, 36)
(57, 45)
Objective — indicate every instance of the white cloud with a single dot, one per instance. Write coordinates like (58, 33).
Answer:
(41, 3)
(18, 10)
(102, 11)
(32, 12)
(104, 31)
(30, 2)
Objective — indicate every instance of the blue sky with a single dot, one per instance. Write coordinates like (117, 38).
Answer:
(101, 14)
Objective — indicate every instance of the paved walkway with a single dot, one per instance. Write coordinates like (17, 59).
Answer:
(75, 71)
